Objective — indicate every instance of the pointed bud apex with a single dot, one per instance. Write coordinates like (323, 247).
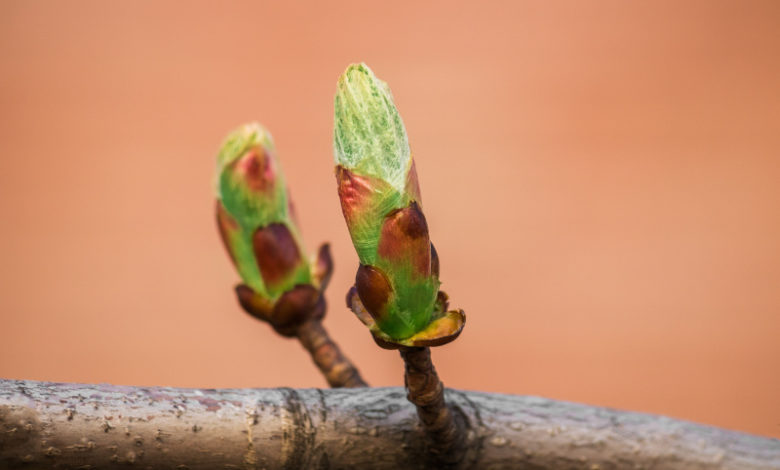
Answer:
(412, 188)
(369, 135)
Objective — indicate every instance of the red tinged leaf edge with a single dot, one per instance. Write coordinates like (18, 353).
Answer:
(374, 290)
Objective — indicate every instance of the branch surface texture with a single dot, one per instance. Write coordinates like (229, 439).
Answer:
(47, 425)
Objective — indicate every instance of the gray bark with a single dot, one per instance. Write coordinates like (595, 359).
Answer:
(49, 425)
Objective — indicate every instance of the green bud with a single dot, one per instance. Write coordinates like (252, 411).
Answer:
(380, 199)
(254, 217)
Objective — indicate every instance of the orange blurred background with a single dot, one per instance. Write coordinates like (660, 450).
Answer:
(601, 179)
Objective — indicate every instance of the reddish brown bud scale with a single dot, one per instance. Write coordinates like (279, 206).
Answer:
(374, 290)
(357, 307)
(405, 236)
(276, 252)
(252, 303)
(295, 306)
(434, 262)
(412, 221)
(226, 224)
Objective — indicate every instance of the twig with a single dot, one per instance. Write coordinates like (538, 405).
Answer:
(337, 369)
(425, 390)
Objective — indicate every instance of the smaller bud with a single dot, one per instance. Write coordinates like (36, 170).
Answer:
(253, 214)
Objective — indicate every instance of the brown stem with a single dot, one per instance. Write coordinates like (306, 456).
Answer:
(337, 369)
(298, 313)
(442, 427)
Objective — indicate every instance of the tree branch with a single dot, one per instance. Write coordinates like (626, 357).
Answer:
(43, 425)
